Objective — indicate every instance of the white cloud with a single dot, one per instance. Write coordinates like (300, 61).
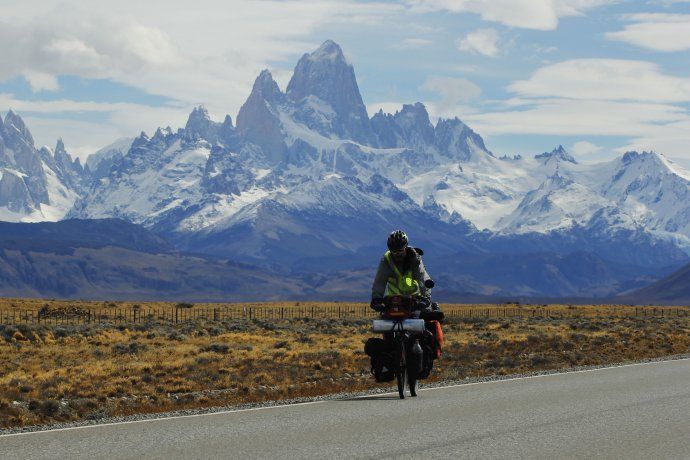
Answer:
(584, 149)
(604, 79)
(64, 105)
(482, 41)
(671, 138)
(48, 120)
(528, 14)
(435, 109)
(453, 91)
(439, 110)
(656, 32)
(573, 117)
(414, 43)
(41, 81)
(207, 52)
(96, 46)
(81, 138)
(565, 8)
(597, 97)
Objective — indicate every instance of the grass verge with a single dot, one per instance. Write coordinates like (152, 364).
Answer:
(65, 373)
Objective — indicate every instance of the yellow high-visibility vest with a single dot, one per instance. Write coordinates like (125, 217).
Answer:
(400, 284)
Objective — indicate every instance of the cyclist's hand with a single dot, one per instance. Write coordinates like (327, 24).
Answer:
(423, 303)
(377, 305)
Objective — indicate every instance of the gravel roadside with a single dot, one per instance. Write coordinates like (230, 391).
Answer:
(327, 397)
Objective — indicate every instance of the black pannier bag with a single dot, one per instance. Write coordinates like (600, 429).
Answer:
(382, 361)
(428, 343)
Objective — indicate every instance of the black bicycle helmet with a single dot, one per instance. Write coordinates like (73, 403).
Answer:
(397, 240)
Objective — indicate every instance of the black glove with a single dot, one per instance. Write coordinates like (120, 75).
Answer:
(424, 303)
(377, 304)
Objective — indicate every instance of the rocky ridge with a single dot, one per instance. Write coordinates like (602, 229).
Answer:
(306, 180)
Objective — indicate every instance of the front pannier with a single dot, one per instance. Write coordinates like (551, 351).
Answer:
(382, 360)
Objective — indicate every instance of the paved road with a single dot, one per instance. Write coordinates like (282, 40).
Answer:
(638, 411)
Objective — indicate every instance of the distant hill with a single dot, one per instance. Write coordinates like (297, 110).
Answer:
(671, 290)
(80, 233)
(114, 259)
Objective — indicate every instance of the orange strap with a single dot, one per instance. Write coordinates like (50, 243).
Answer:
(438, 333)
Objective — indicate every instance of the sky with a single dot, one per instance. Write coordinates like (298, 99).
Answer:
(599, 77)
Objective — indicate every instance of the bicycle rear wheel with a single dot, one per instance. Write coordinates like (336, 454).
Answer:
(401, 373)
(413, 383)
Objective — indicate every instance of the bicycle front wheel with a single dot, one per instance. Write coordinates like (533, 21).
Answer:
(401, 374)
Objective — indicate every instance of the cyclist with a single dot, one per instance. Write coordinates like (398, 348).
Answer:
(401, 272)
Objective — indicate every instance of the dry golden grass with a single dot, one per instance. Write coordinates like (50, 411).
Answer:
(58, 373)
(35, 304)
(16, 311)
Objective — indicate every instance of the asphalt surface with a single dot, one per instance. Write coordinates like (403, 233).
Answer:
(635, 411)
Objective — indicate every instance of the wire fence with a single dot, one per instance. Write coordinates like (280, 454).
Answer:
(175, 315)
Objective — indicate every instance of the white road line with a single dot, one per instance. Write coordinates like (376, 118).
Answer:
(282, 406)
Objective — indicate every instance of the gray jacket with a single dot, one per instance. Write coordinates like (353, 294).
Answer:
(413, 261)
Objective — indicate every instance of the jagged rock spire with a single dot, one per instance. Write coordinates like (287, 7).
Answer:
(457, 140)
(12, 119)
(559, 153)
(62, 158)
(25, 158)
(325, 74)
(414, 119)
(409, 127)
(258, 121)
(140, 140)
(60, 149)
(200, 126)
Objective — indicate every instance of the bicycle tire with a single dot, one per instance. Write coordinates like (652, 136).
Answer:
(401, 373)
(413, 384)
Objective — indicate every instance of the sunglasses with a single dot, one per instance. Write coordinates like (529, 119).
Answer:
(400, 252)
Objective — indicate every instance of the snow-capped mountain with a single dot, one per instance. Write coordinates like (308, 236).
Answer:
(100, 162)
(35, 184)
(552, 192)
(307, 172)
(325, 96)
(307, 181)
(309, 154)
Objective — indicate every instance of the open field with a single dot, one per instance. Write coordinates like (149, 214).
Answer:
(75, 312)
(58, 372)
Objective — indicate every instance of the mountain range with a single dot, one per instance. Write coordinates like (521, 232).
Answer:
(114, 259)
(307, 185)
